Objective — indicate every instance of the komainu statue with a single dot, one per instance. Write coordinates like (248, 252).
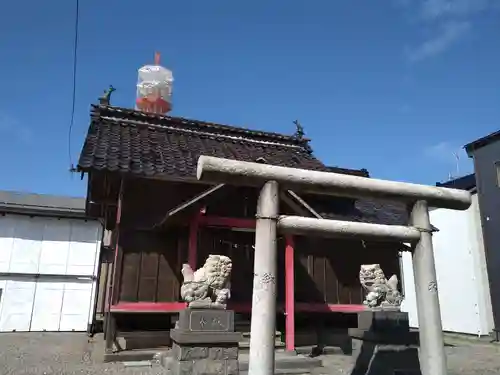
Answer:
(381, 293)
(208, 286)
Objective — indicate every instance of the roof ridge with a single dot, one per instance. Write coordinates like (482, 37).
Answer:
(122, 122)
(99, 111)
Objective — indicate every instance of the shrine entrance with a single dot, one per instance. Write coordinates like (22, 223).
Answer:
(237, 244)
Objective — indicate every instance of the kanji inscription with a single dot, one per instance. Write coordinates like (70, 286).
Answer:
(209, 321)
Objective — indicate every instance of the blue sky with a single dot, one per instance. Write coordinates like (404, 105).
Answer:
(394, 86)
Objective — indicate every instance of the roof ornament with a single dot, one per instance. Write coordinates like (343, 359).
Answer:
(299, 135)
(299, 132)
(105, 99)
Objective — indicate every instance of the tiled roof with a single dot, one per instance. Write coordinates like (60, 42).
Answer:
(379, 211)
(165, 147)
(123, 140)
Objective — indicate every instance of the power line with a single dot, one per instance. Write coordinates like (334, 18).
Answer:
(73, 96)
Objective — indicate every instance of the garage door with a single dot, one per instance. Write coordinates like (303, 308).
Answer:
(46, 305)
(48, 273)
(17, 302)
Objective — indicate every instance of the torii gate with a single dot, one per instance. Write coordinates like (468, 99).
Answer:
(419, 234)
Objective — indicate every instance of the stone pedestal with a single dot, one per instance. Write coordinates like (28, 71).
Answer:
(384, 344)
(204, 343)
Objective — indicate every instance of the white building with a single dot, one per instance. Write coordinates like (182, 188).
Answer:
(49, 261)
(462, 277)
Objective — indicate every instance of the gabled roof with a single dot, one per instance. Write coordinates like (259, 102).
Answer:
(467, 182)
(481, 142)
(165, 147)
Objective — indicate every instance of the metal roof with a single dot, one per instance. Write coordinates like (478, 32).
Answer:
(41, 204)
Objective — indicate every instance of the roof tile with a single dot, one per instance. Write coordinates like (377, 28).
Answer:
(164, 147)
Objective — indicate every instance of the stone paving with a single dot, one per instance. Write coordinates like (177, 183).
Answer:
(75, 353)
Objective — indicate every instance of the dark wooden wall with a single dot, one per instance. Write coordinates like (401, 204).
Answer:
(152, 261)
(327, 270)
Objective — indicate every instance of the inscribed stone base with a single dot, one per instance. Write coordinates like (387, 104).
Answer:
(206, 320)
(204, 343)
(205, 367)
(204, 359)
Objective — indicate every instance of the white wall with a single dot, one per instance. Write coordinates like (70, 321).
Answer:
(461, 273)
(67, 252)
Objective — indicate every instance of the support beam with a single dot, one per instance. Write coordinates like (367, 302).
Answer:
(304, 204)
(263, 321)
(301, 207)
(432, 354)
(294, 205)
(212, 169)
(346, 229)
(289, 294)
(189, 203)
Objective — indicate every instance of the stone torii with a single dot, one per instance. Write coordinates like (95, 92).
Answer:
(269, 178)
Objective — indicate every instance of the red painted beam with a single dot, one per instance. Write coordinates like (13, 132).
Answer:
(227, 222)
(148, 307)
(289, 294)
(166, 307)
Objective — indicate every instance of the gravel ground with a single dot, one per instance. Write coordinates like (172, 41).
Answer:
(75, 353)
(463, 359)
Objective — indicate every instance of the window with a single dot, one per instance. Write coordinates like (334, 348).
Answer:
(497, 171)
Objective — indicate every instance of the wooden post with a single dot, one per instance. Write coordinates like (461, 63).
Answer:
(193, 240)
(116, 276)
(289, 294)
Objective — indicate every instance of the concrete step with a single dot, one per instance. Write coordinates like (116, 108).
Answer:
(285, 372)
(133, 355)
(286, 362)
(245, 345)
(246, 333)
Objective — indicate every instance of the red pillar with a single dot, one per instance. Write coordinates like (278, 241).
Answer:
(289, 294)
(193, 240)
